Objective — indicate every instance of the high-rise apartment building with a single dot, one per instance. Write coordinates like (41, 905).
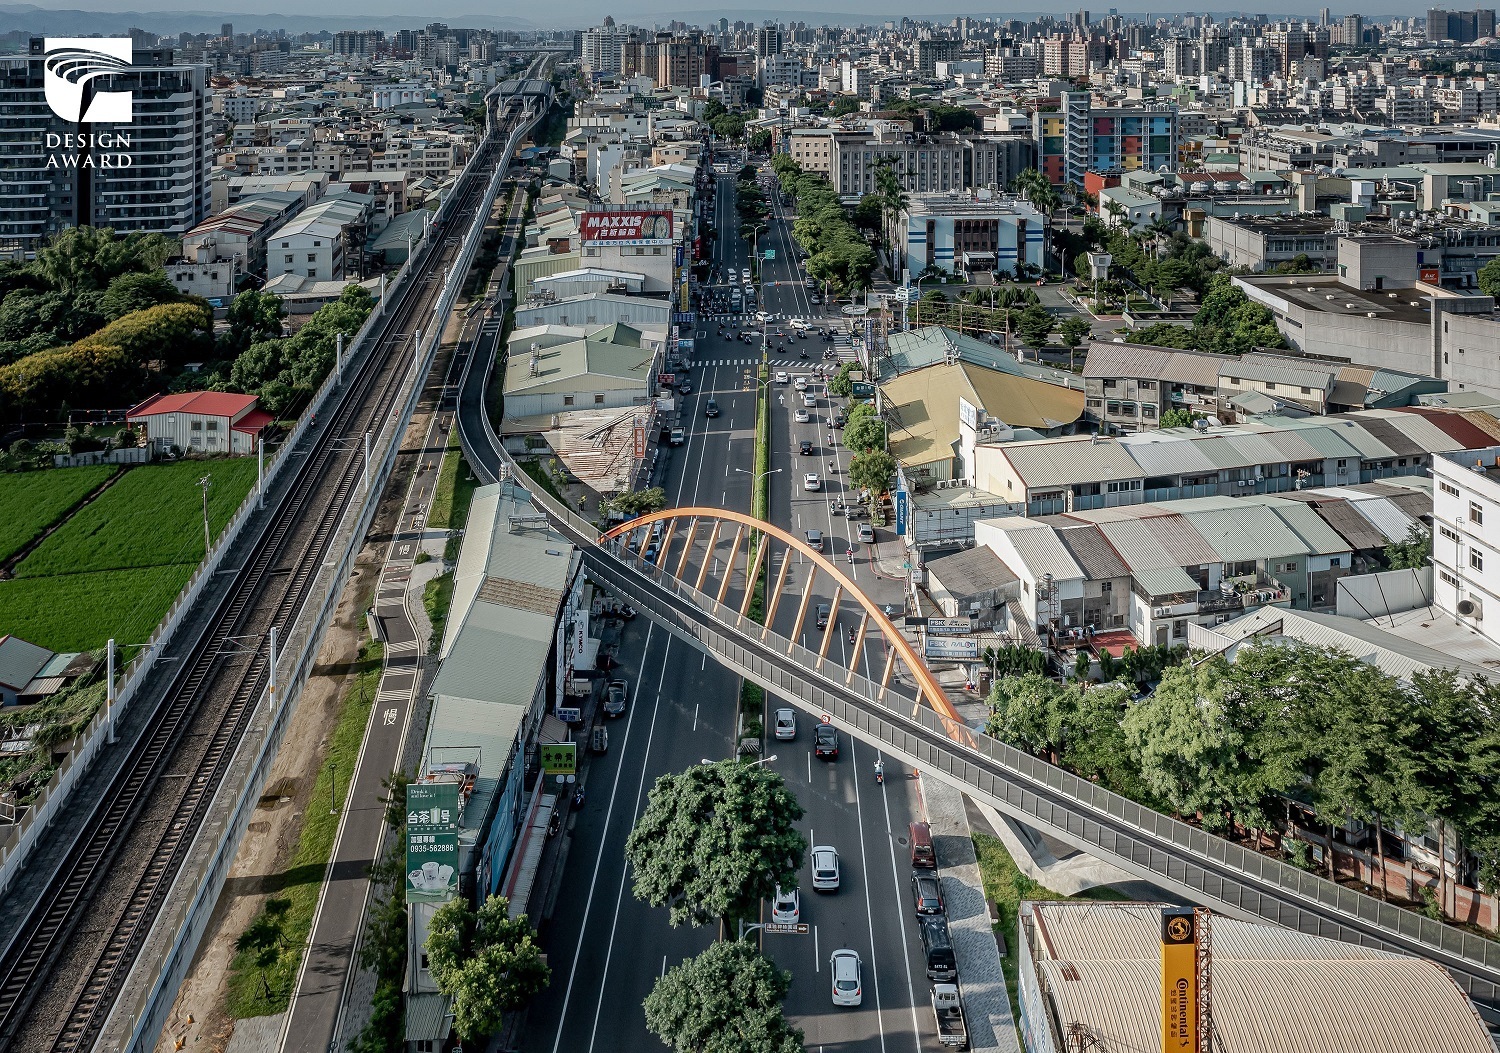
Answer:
(150, 175)
(1079, 138)
(928, 53)
(602, 46)
(768, 41)
(1463, 27)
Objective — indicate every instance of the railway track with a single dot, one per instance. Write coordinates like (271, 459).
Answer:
(64, 965)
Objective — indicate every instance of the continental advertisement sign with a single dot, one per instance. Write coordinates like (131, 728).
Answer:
(1179, 981)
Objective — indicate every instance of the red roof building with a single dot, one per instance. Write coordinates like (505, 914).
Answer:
(201, 422)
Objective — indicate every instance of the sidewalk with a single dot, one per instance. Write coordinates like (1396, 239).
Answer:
(981, 978)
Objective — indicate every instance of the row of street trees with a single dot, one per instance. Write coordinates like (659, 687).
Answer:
(1237, 744)
(712, 843)
(837, 253)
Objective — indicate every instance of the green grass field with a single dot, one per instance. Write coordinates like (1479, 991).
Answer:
(114, 569)
(255, 990)
(30, 502)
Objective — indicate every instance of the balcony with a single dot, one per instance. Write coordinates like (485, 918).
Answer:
(1243, 594)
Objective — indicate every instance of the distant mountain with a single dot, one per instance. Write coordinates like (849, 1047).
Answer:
(26, 18)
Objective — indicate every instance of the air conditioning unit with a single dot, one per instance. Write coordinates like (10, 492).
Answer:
(1221, 619)
(1343, 471)
(1469, 607)
(1158, 612)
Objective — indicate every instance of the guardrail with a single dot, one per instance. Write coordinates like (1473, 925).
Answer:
(1157, 847)
(143, 1007)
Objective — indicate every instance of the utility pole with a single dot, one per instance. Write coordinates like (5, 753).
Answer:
(207, 540)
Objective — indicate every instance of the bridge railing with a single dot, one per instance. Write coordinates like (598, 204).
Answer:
(1046, 794)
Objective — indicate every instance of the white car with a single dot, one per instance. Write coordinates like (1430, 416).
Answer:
(825, 868)
(745, 274)
(844, 965)
(797, 323)
(802, 416)
(809, 399)
(761, 316)
(800, 383)
(782, 378)
(786, 908)
(810, 481)
(786, 724)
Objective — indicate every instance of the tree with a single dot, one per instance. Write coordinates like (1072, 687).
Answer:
(714, 841)
(1075, 330)
(760, 141)
(639, 502)
(1489, 278)
(84, 258)
(1031, 712)
(872, 470)
(1412, 553)
(252, 316)
(726, 1000)
(486, 961)
(136, 292)
(1035, 325)
(841, 385)
(863, 430)
(1177, 418)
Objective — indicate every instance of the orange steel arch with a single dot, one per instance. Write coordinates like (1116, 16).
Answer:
(929, 684)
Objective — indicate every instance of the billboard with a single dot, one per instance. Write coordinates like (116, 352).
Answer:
(949, 647)
(431, 841)
(1179, 980)
(901, 512)
(949, 626)
(633, 227)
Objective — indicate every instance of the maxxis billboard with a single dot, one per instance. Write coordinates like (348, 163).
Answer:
(627, 227)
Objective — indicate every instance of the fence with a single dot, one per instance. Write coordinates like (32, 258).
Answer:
(142, 1010)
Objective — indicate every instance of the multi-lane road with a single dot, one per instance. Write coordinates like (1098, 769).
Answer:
(683, 711)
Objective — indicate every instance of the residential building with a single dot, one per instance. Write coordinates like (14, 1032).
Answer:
(152, 177)
(201, 422)
(316, 244)
(1129, 386)
(1466, 538)
(1461, 27)
(925, 163)
(603, 47)
(927, 53)
(1079, 137)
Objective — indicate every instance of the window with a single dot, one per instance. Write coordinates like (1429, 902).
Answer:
(567, 400)
(312, 257)
(1307, 391)
(1270, 385)
(1448, 532)
(212, 425)
(1476, 559)
(1448, 488)
(1336, 561)
(289, 259)
(1449, 578)
(599, 399)
(1476, 513)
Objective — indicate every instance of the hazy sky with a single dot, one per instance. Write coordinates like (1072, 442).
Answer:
(574, 13)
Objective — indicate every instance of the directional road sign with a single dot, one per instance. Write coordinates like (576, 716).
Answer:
(799, 929)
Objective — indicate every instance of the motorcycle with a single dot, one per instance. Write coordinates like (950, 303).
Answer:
(879, 772)
(578, 797)
(801, 354)
(851, 635)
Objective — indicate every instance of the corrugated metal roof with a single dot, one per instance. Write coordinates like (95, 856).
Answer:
(1294, 445)
(1354, 528)
(1385, 517)
(1143, 362)
(1062, 462)
(1248, 532)
(1035, 544)
(1270, 369)
(1419, 429)
(20, 661)
(971, 572)
(1181, 539)
(1392, 437)
(1319, 537)
(427, 1017)
(1091, 551)
(1159, 454)
(1101, 967)
(1362, 439)
(1138, 547)
(1164, 581)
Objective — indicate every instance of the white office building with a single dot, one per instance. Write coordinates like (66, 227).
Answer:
(1466, 538)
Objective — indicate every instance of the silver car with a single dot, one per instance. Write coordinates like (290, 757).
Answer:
(786, 724)
(825, 868)
(845, 967)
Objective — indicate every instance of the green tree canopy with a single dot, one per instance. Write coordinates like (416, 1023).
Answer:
(1412, 552)
(863, 430)
(872, 470)
(136, 292)
(726, 1000)
(1177, 418)
(486, 961)
(1489, 278)
(714, 841)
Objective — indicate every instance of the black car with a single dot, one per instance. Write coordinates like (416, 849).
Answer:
(805, 447)
(826, 742)
(840, 419)
(926, 893)
(711, 409)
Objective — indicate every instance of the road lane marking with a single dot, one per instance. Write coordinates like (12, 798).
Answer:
(859, 818)
(620, 895)
(589, 900)
(911, 994)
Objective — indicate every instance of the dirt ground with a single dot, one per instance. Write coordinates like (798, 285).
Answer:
(198, 1021)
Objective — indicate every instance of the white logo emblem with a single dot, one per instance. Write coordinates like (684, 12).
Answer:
(70, 70)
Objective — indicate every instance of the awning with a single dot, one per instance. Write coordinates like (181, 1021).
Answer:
(528, 853)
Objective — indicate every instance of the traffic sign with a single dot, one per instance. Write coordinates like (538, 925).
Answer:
(799, 929)
(770, 254)
(826, 718)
